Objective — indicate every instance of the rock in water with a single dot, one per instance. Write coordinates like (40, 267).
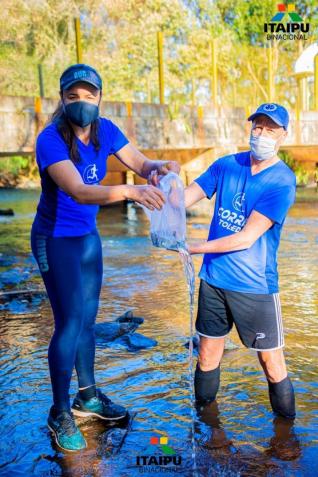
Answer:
(121, 331)
(6, 212)
(136, 341)
(109, 331)
(111, 441)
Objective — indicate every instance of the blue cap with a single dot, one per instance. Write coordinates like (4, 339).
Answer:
(276, 112)
(80, 72)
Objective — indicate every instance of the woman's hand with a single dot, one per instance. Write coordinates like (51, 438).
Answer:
(147, 195)
(162, 170)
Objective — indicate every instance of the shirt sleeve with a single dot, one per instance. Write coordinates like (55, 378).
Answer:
(50, 148)
(209, 179)
(274, 204)
(118, 139)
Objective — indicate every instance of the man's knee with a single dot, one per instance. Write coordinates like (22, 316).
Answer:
(273, 363)
(207, 362)
(210, 353)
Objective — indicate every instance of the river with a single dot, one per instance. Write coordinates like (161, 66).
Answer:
(154, 382)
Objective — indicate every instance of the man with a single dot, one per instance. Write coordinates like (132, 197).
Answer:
(239, 279)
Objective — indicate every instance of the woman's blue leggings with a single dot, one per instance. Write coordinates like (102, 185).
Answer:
(72, 270)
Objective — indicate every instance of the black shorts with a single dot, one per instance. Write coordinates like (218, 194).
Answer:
(258, 318)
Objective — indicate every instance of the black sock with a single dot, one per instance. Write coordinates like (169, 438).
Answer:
(282, 398)
(206, 384)
(87, 393)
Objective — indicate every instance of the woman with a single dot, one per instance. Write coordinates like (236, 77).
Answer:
(71, 154)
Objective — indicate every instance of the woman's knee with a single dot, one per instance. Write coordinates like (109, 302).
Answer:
(68, 332)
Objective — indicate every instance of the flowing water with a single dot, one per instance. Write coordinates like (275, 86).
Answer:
(246, 440)
(190, 277)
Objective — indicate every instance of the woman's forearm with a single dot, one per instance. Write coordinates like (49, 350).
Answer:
(102, 195)
(147, 195)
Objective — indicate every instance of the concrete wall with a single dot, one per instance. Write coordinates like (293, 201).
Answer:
(150, 125)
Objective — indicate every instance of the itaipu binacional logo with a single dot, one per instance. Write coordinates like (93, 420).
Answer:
(163, 457)
(286, 24)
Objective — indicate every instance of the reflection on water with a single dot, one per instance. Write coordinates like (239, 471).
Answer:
(236, 436)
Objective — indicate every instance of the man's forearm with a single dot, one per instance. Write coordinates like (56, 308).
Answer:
(231, 243)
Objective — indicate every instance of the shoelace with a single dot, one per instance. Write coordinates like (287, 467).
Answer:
(66, 423)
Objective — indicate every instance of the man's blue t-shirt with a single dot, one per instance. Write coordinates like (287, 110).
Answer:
(58, 214)
(270, 192)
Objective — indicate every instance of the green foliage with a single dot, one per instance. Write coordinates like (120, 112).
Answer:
(14, 165)
(302, 176)
(119, 39)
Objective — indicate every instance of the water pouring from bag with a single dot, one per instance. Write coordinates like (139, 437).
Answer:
(168, 230)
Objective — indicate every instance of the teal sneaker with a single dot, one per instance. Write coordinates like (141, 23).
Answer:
(100, 406)
(67, 434)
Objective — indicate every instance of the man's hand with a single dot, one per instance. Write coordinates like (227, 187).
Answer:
(162, 170)
(195, 247)
(147, 195)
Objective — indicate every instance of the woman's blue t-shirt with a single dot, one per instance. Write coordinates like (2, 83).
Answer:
(58, 214)
(270, 192)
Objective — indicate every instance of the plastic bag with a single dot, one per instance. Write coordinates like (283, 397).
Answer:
(168, 225)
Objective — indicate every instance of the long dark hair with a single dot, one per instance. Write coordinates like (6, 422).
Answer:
(65, 129)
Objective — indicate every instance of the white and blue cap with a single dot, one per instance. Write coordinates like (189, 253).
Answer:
(275, 111)
(80, 72)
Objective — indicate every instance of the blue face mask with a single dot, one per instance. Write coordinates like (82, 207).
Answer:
(262, 147)
(81, 113)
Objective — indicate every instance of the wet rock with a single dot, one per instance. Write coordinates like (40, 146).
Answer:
(121, 331)
(6, 212)
(14, 276)
(126, 323)
(137, 341)
(111, 441)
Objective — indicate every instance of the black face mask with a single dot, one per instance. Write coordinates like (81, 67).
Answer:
(81, 113)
